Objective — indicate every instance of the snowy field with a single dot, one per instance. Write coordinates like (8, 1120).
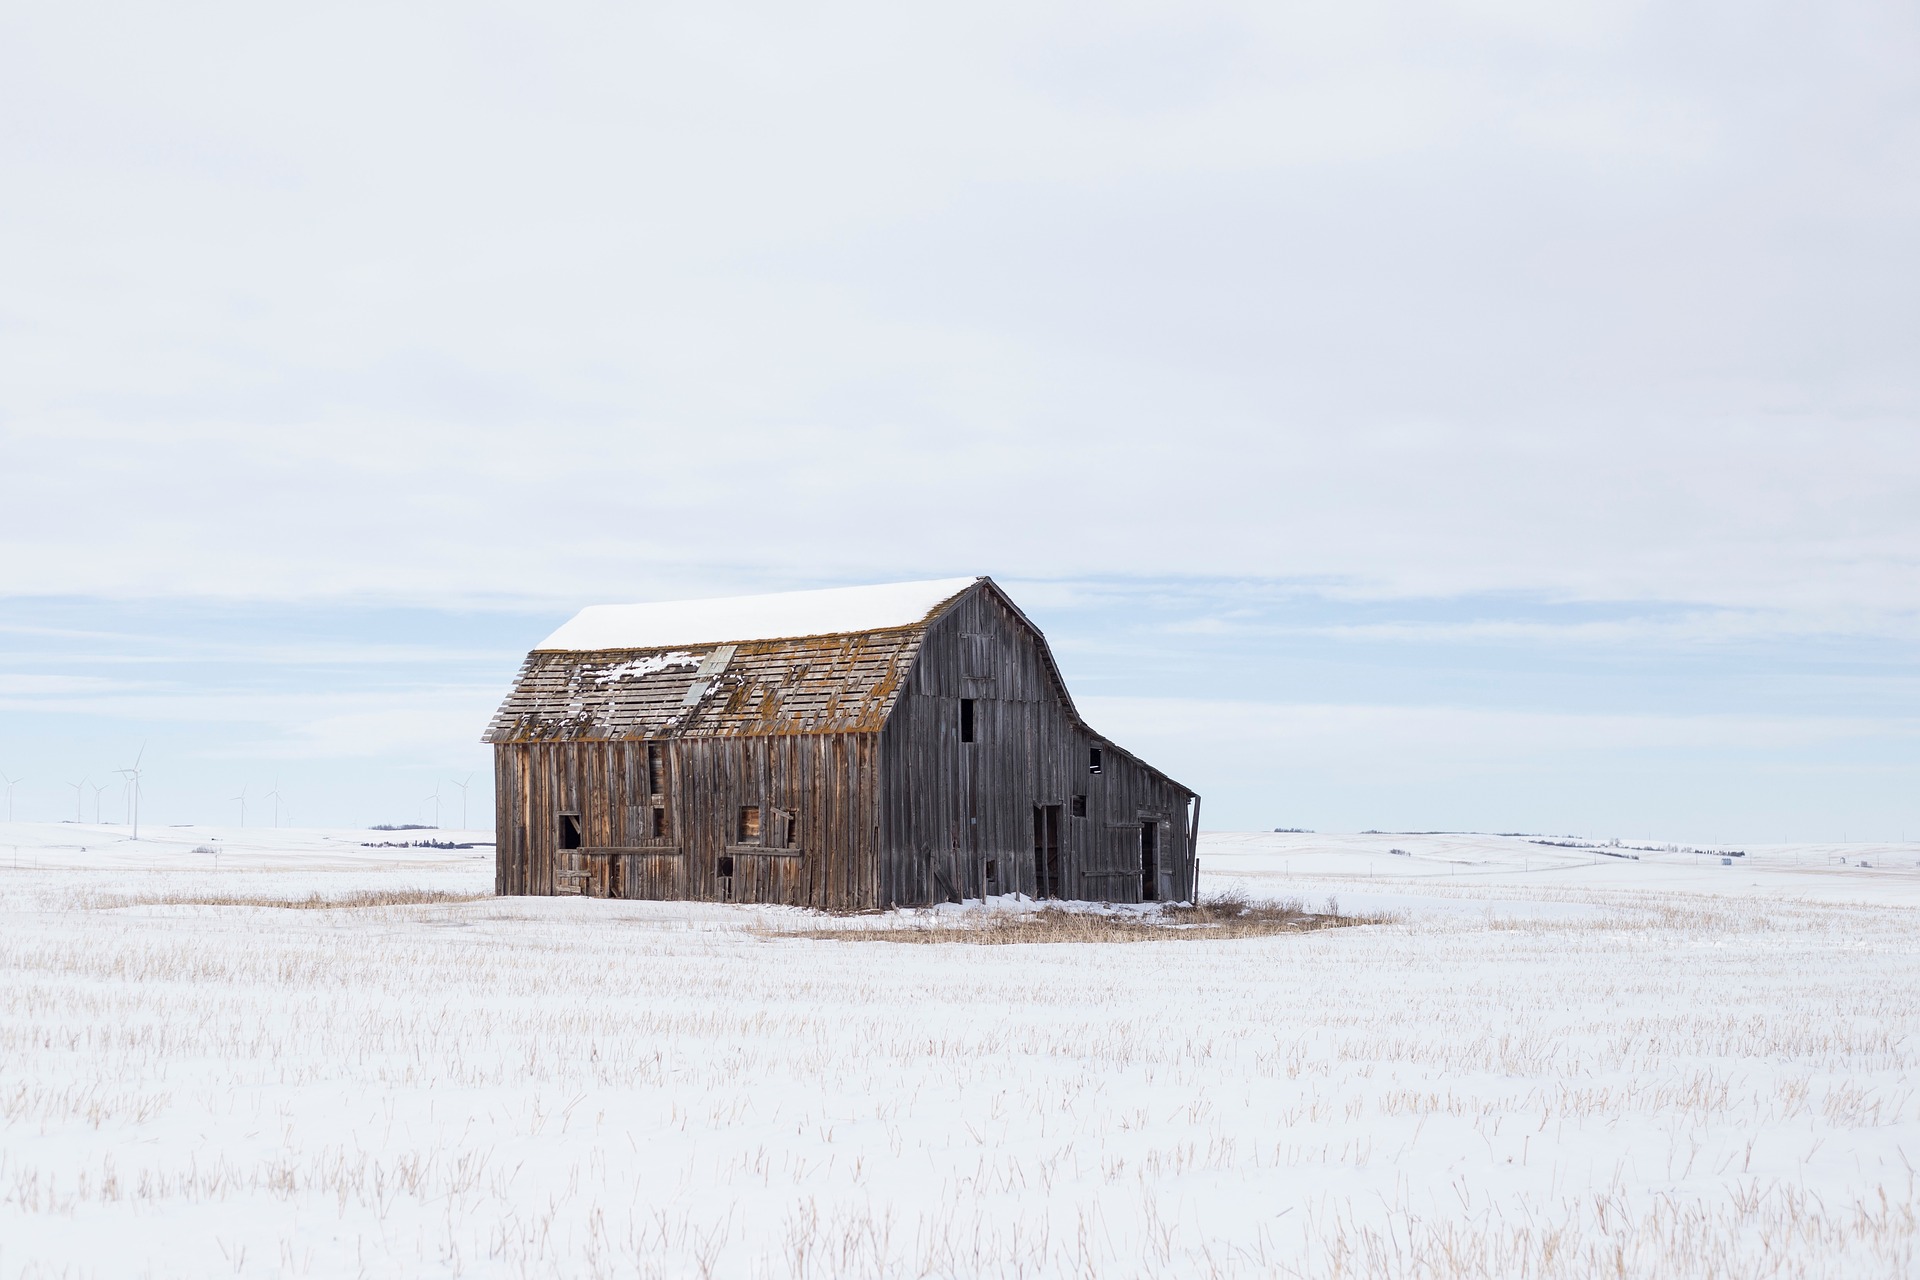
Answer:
(1555, 1062)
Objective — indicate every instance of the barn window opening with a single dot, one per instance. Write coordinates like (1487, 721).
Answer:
(659, 823)
(747, 830)
(966, 719)
(1080, 806)
(723, 867)
(1093, 760)
(569, 831)
(656, 769)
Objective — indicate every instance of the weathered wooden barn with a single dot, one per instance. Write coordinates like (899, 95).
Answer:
(857, 747)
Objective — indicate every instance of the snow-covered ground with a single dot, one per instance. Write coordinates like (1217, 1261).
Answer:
(1558, 1061)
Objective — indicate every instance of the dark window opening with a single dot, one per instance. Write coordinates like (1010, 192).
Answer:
(724, 866)
(966, 719)
(659, 823)
(656, 769)
(569, 831)
(747, 831)
(993, 868)
(1080, 806)
(1093, 760)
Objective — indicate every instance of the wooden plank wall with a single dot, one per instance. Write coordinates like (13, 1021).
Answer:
(827, 781)
(509, 833)
(950, 810)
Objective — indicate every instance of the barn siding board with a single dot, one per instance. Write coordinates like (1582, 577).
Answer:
(858, 737)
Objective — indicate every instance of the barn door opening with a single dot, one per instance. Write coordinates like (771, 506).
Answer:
(570, 874)
(1046, 851)
(1149, 862)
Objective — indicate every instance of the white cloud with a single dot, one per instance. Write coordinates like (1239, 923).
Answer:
(16, 685)
(1605, 301)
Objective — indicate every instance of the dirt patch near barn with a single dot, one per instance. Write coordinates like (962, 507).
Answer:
(1212, 919)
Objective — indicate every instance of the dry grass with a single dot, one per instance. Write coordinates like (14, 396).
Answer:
(1229, 915)
(309, 902)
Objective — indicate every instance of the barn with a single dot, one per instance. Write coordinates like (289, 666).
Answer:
(857, 747)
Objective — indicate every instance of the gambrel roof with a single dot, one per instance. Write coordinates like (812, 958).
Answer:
(742, 666)
(798, 662)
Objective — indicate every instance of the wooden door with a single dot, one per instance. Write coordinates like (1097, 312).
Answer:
(1046, 851)
(571, 875)
(1149, 861)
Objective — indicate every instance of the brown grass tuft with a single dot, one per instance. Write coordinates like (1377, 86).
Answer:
(311, 902)
(1227, 915)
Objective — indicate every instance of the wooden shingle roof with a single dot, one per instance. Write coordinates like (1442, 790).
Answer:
(610, 673)
(820, 684)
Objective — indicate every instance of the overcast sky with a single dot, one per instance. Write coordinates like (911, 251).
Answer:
(1446, 414)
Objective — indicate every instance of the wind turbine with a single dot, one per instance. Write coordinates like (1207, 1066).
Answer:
(435, 797)
(133, 781)
(274, 795)
(463, 800)
(11, 784)
(98, 787)
(78, 788)
(242, 798)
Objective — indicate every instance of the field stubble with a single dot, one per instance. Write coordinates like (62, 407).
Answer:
(1230, 915)
(422, 1082)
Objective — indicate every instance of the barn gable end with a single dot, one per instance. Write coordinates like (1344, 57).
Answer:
(989, 783)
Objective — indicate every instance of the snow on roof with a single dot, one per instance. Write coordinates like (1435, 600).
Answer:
(788, 615)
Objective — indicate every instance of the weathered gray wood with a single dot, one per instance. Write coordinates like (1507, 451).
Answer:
(968, 805)
(850, 747)
(1193, 854)
(621, 851)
